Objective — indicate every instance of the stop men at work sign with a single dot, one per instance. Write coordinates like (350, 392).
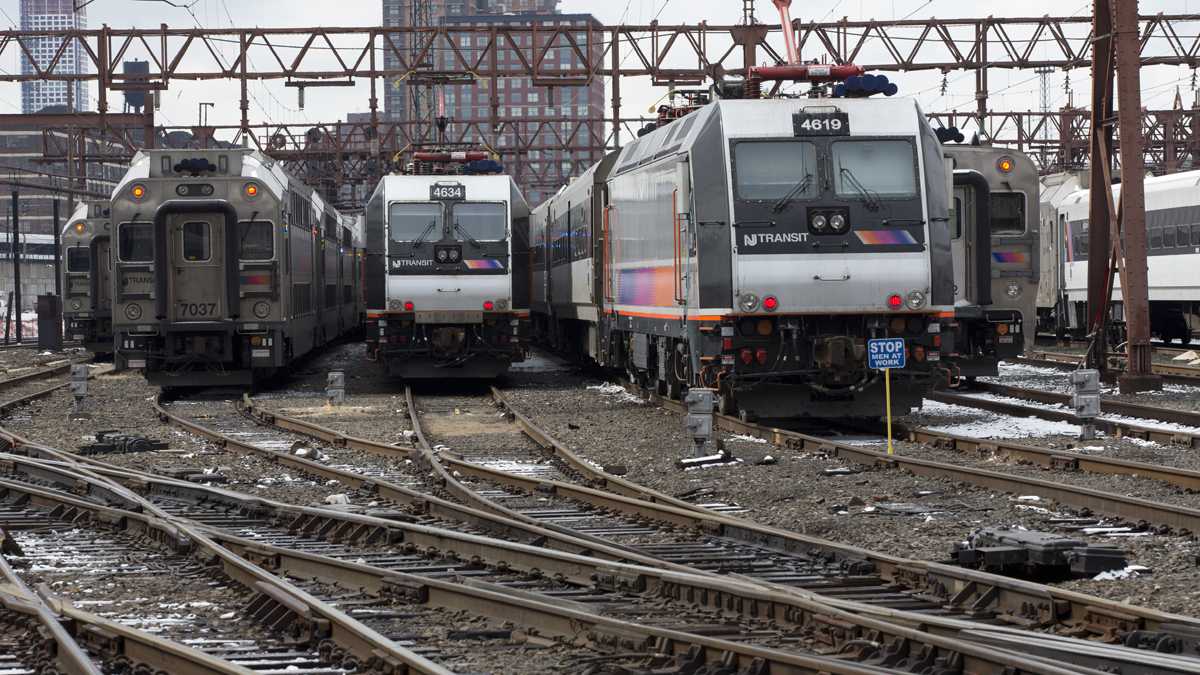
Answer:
(885, 353)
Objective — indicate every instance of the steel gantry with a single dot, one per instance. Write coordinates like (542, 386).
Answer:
(679, 55)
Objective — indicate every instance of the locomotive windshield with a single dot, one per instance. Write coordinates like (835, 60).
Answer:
(887, 166)
(480, 221)
(775, 169)
(257, 240)
(1008, 213)
(135, 242)
(79, 259)
(410, 222)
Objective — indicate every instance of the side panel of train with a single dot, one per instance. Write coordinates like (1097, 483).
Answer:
(691, 258)
(448, 276)
(87, 277)
(1173, 253)
(226, 269)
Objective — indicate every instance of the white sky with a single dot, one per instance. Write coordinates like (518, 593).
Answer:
(271, 101)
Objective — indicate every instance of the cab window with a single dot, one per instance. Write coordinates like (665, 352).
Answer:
(1008, 213)
(79, 259)
(257, 240)
(875, 168)
(775, 169)
(135, 242)
(197, 241)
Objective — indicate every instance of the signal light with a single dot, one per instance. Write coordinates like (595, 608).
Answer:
(80, 227)
(251, 190)
(770, 303)
(747, 356)
(937, 341)
(726, 344)
(138, 191)
(1002, 328)
(488, 305)
(408, 305)
(894, 301)
(761, 356)
(1005, 164)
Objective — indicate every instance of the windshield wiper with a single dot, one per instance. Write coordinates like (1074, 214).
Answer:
(421, 239)
(868, 200)
(466, 235)
(799, 189)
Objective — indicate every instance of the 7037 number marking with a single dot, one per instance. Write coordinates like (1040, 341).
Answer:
(197, 308)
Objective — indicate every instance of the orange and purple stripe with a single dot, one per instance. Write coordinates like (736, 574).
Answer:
(256, 279)
(485, 264)
(646, 286)
(885, 237)
(1011, 257)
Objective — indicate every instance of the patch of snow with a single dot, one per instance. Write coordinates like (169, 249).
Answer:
(1129, 572)
(748, 439)
(617, 391)
(1029, 498)
(991, 425)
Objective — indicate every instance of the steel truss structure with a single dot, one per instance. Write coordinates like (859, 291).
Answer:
(668, 55)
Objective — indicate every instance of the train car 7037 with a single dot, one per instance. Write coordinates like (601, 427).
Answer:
(226, 268)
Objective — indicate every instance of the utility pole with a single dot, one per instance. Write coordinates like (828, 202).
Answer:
(57, 250)
(1044, 74)
(1134, 286)
(15, 244)
(1099, 216)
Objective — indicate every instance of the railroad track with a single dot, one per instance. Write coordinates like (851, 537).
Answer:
(1010, 404)
(639, 504)
(310, 549)
(316, 520)
(1189, 375)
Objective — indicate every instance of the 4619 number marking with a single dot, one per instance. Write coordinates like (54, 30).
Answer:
(197, 309)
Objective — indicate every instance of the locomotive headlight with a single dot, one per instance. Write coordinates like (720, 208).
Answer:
(138, 191)
(454, 254)
(819, 222)
(80, 227)
(838, 222)
(262, 309)
(133, 312)
(748, 302)
(916, 299)
(442, 255)
(395, 305)
(251, 190)
(1013, 289)
(502, 304)
(76, 305)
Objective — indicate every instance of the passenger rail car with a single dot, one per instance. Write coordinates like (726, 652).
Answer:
(1173, 256)
(87, 277)
(754, 246)
(447, 275)
(226, 268)
(1011, 212)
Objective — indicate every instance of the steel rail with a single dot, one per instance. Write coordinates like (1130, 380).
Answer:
(1020, 602)
(15, 596)
(36, 374)
(1108, 425)
(1174, 374)
(1108, 405)
(840, 621)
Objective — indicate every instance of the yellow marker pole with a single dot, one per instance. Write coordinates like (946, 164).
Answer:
(887, 390)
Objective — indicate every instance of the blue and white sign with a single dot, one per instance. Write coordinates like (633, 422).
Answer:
(886, 353)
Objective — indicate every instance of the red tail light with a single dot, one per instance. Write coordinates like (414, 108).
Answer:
(489, 305)
(937, 340)
(747, 356)
(895, 301)
(408, 306)
(770, 303)
(726, 344)
(919, 353)
(761, 356)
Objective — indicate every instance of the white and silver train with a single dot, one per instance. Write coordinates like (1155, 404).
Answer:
(447, 267)
(753, 247)
(87, 276)
(1173, 256)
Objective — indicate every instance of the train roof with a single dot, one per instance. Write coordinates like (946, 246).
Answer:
(1162, 192)
(240, 162)
(86, 210)
(479, 188)
(759, 118)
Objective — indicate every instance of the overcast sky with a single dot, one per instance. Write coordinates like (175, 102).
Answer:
(1011, 90)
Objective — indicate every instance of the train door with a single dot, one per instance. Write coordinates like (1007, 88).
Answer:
(102, 291)
(196, 247)
(960, 239)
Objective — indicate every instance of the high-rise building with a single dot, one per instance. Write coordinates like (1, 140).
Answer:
(52, 15)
